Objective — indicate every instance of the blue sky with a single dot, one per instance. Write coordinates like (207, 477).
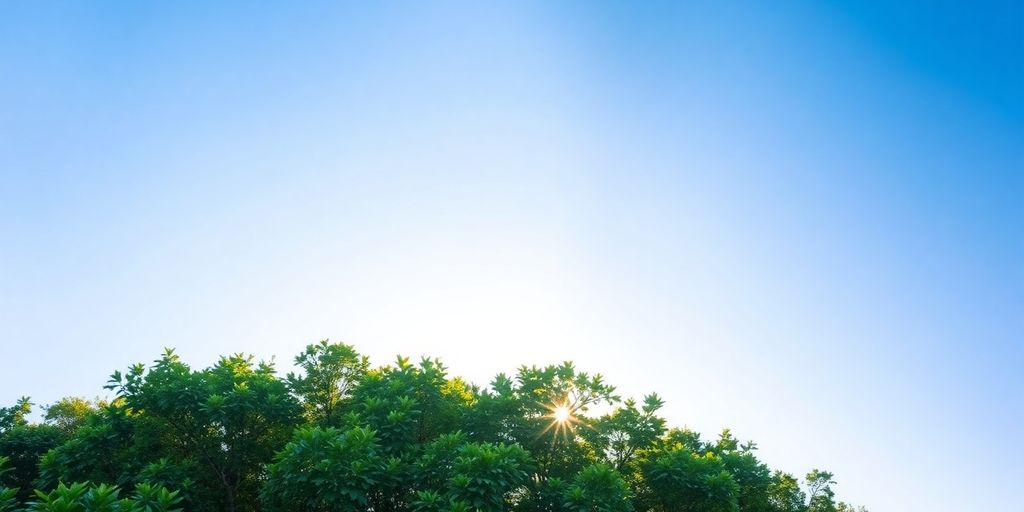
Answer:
(804, 221)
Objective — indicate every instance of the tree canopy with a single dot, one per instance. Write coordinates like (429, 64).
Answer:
(340, 435)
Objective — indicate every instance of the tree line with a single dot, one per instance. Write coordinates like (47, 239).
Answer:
(341, 435)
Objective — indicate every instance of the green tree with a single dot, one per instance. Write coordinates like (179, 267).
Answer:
(620, 434)
(784, 493)
(67, 414)
(14, 416)
(108, 448)
(326, 469)
(478, 476)
(677, 479)
(410, 403)
(330, 371)
(845, 507)
(228, 420)
(24, 446)
(686, 438)
(753, 477)
(406, 437)
(524, 411)
(820, 497)
(8, 494)
(598, 488)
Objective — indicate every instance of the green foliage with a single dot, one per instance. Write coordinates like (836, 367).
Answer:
(23, 446)
(685, 438)
(337, 435)
(483, 475)
(677, 479)
(330, 372)
(784, 493)
(8, 495)
(453, 474)
(543, 495)
(621, 433)
(433, 467)
(226, 421)
(177, 475)
(82, 497)
(520, 411)
(751, 475)
(154, 498)
(14, 416)
(598, 488)
(326, 469)
(820, 496)
(845, 507)
(85, 497)
(69, 413)
(8, 499)
(105, 449)
(408, 403)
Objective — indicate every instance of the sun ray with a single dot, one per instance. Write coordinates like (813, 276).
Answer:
(563, 420)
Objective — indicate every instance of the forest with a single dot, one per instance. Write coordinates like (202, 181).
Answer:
(341, 435)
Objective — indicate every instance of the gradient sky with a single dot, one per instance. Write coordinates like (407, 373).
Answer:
(803, 221)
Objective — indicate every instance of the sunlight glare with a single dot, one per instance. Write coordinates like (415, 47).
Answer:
(562, 414)
(562, 421)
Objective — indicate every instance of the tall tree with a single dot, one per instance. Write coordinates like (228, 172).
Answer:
(820, 497)
(678, 480)
(15, 415)
(69, 413)
(227, 420)
(24, 446)
(785, 494)
(330, 371)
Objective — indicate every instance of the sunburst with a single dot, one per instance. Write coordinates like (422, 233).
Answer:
(561, 414)
(563, 420)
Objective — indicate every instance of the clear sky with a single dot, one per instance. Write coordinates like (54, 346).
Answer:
(800, 220)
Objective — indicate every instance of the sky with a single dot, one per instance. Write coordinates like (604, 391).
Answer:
(803, 221)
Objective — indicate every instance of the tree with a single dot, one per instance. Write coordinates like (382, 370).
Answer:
(784, 493)
(677, 479)
(523, 411)
(410, 403)
(8, 493)
(845, 507)
(14, 416)
(110, 447)
(326, 469)
(330, 372)
(67, 414)
(227, 420)
(598, 488)
(477, 476)
(820, 497)
(620, 434)
(338, 435)
(753, 477)
(23, 446)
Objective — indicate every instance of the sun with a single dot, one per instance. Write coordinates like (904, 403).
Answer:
(563, 420)
(561, 414)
